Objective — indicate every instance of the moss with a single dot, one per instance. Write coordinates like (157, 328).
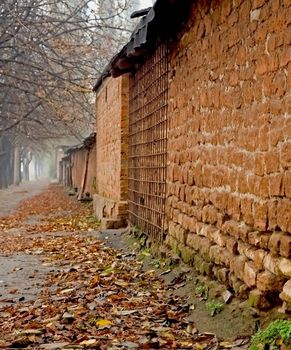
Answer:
(187, 255)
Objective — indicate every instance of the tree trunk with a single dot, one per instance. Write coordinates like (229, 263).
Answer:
(16, 166)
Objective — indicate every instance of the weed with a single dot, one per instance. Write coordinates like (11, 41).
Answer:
(145, 253)
(278, 332)
(214, 308)
(201, 291)
(156, 263)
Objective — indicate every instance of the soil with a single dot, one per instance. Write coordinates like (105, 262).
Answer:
(236, 320)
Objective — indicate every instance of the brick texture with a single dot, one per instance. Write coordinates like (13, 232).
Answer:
(229, 143)
(112, 149)
(78, 159)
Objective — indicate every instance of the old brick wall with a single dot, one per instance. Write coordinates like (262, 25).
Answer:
(78, 157)
(90, 186)
(112, 148)
(229, 148)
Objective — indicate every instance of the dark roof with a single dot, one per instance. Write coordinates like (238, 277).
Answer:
(162, 20)
(88, 142)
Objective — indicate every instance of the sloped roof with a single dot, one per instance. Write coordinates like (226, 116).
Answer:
(88, 142)
(162, 20)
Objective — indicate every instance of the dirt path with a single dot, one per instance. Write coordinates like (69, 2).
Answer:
(67, 287)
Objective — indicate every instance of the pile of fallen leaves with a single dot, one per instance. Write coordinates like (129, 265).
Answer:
(53, 211)
(96, 297)
(100, 299)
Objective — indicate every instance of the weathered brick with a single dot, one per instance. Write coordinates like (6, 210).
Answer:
(284, 266)
(271, 263)
(209, 214)
(276, 185)
(286, 155)
(285, 246)
(286, 292)
(250, 274)
(284, 215)
(258, 3)
(287, 183)
(267, 281)
(258, 299)
(247, 210)
(237, 266)
(274, 242)
(260, 215)
(258, 258)
(232, 245)
(228, 141)
(237, 230)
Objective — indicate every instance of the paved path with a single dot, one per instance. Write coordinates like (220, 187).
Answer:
(11, 197)
(21, 275)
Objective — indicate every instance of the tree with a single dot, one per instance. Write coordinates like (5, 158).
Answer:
(51, 53)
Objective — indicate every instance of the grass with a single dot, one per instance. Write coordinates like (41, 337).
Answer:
(277, 333)
(214, 307)
(201, 291)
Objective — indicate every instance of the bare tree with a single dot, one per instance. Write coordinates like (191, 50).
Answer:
(51, 53)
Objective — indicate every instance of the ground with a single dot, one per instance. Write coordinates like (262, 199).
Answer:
(64, 284)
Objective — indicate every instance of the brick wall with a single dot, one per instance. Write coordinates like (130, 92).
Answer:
(229, 148)
(78, 164)
(90, 186)
(78, 157)
(112, 148)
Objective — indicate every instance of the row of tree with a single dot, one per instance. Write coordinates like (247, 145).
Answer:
(51, 53)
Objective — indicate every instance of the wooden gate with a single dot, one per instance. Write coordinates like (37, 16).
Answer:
(148, 99)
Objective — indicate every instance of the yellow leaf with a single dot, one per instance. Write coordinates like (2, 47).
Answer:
(94, 281)
(103, 323)
(167, 335)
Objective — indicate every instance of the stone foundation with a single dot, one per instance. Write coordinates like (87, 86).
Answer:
(112, 214)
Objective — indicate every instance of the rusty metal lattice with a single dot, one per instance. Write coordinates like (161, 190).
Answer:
(148, 143)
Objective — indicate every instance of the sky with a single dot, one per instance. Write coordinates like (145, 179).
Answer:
(146, 3)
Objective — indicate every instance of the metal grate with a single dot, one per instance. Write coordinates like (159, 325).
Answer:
(148, 99)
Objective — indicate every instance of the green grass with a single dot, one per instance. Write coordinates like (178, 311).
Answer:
(201, 291)
(278, 332)
(214, 307)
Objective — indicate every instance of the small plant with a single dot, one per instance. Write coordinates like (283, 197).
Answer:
(201, 291)
(144, 253)
(214, 308)
(277, 333)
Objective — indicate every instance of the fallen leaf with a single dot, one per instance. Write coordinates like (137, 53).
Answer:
(103, 323)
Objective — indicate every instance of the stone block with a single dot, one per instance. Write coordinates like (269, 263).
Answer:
(232, 245)
(258, 258)
(237, 266)
(271, 263)
(267, 281)
(284, 215)
(187, 255)
(260, 215)
(250, 274)
(284, 267)
(222, 275)
(286, 292)
(274, 242)
(285, 246)
(112, 223)
(258, 300)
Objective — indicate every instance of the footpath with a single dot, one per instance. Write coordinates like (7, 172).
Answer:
(64, 285)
